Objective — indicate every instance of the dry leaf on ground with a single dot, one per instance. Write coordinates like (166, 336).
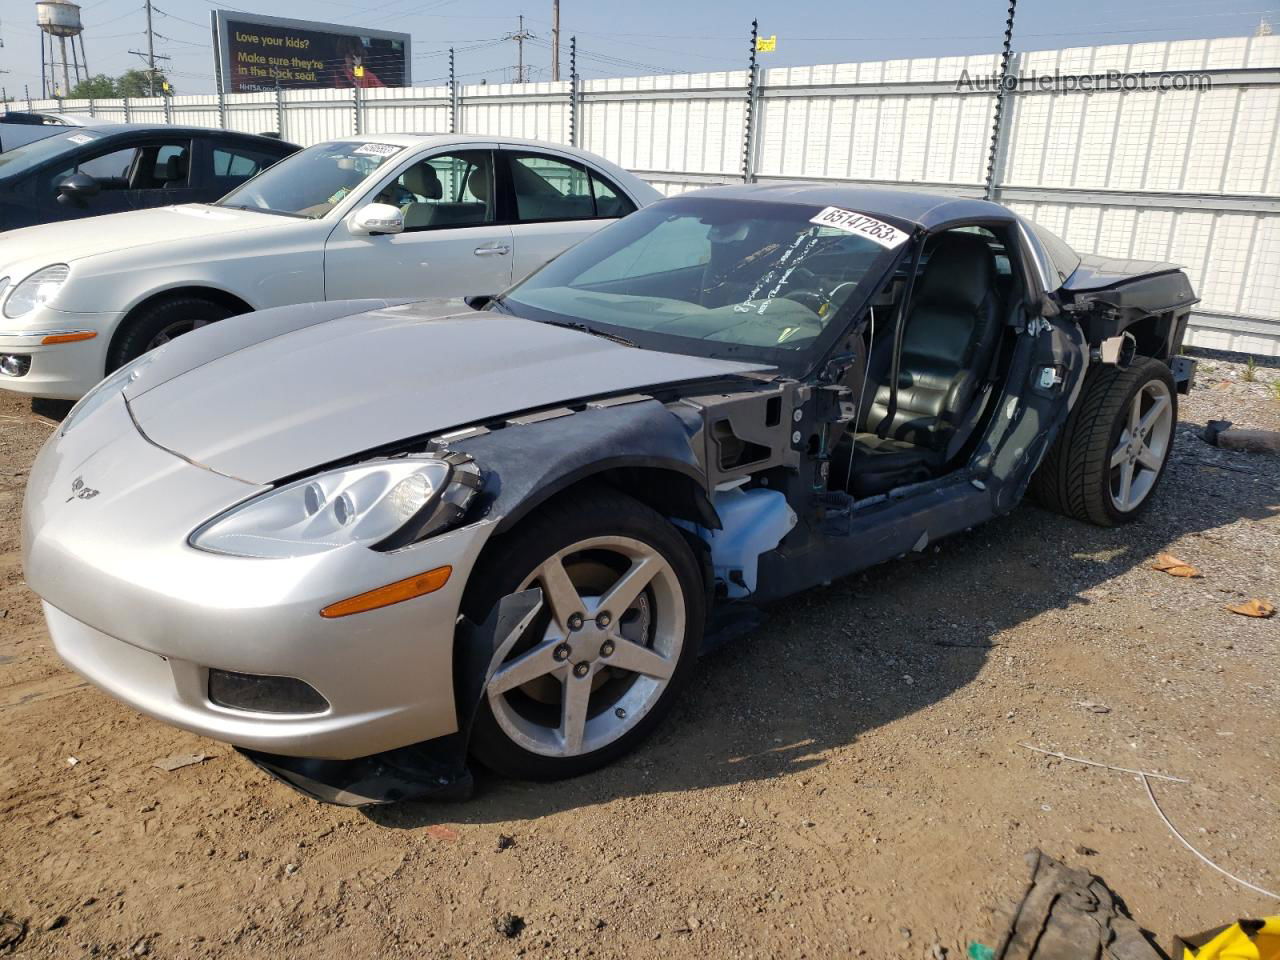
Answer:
(1168, 563)
(170, 764)
(1253, 608)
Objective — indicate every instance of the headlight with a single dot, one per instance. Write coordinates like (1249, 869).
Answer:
(383, 505)
(108, 388)
(35, 291)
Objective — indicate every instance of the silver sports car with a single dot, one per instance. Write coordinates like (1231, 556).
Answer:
(365, 541)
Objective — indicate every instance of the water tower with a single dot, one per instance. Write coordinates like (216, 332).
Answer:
(60, 20)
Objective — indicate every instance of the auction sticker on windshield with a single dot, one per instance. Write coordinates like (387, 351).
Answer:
(81, 138)
(885, 234)
(376, 149)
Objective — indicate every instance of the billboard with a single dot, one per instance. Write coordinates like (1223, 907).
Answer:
(254, 53)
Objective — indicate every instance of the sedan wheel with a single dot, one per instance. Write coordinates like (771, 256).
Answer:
(175, 329)
(156, 325)
(621, 615)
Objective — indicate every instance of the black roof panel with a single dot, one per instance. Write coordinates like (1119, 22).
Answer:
(928, 210)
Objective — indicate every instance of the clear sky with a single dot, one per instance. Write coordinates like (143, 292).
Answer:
(630, 38)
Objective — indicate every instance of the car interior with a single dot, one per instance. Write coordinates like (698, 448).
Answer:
(760, 282)
(953, 353)
(147, 167)
(455, 190)
(444, 191)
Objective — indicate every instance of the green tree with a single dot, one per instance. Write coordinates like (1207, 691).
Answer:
(100, 87)
(137, 83)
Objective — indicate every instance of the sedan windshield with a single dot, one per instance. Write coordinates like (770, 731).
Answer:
(717, 277)
(313, 181)
(30, 155)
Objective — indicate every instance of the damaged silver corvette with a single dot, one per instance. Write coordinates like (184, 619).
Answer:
(365, 542)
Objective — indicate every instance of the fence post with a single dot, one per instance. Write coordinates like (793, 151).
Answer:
(574, 135)
(998, 124)
(453, 118)
(166, 101)
(355, 102)
(279, 110)
(125, 101)
(748, 133)
(92, 113)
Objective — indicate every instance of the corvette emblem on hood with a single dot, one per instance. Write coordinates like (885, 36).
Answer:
(80, 491)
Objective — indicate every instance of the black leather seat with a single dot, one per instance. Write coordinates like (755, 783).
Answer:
(951, 333)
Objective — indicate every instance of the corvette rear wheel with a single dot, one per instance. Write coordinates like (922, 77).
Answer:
(1113, 449)
(615, 640)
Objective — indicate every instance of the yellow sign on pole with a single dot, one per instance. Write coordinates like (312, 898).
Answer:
(767, 44)
(359, 70)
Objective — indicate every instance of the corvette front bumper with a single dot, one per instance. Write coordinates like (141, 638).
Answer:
(145, 616)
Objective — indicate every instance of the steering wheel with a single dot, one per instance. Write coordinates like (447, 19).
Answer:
(810, 295)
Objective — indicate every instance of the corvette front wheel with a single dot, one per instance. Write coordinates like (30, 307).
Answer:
(606, 655)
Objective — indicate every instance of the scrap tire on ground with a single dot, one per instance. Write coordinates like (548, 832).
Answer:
(563, 525)
(135, 338)
(1077, 477)
(1067, 913)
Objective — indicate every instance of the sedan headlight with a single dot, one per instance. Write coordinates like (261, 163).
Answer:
(35, 291)
(108, 388)
(383, 505)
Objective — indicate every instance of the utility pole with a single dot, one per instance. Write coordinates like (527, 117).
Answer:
(520, 36)
(150, 54)
(555, 40)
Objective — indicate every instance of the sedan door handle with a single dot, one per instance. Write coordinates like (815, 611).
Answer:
(501, 250)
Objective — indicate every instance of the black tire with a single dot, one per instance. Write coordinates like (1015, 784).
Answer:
(562, 522)
(134, 338)
(1075, 478)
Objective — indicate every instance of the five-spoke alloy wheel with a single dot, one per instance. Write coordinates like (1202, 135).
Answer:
(1140, 453)
(622, 611)
(1113, 449)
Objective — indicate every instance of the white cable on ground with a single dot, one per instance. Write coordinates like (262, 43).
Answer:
(1105, 766)
(1174, 830)
(1146, 778)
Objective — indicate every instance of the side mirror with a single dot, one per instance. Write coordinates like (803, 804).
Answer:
(77, 188)
(375, 218)
(478, 301)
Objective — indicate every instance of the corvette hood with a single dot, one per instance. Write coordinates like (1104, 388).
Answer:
(334, 388)
(66, 241)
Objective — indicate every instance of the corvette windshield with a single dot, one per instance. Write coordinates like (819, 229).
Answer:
(716, 277)
(313, 181)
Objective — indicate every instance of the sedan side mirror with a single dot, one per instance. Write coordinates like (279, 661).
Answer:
(375, 218)
(78, 188)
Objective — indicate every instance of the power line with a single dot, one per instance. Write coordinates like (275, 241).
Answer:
(520, 36)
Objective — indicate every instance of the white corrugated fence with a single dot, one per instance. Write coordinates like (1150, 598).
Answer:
(1187, 175)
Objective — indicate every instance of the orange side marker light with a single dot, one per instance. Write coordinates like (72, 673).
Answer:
(397, 592)
(68, 337)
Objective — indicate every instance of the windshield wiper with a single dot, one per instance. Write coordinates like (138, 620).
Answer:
(274, 213)
(584, 328)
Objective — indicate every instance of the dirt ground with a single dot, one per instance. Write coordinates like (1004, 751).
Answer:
(849, 781)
